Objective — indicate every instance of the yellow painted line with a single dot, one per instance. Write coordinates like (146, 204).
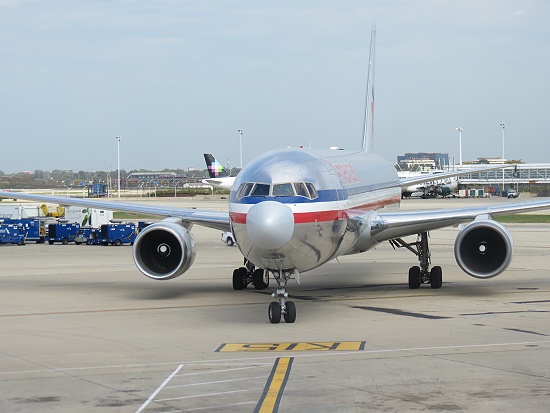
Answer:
(273, 391)
(304, 346)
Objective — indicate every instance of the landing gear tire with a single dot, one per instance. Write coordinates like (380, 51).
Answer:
(260, 279)
(436, 277)
(414, 277)
(274, 313)
(239, 276)
(290, 312)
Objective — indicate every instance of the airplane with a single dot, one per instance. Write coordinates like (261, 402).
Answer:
(293, 210)
(440, 186)
(219, 177)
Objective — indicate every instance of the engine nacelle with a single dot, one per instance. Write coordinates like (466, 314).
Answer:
(164, 250)
(483, 249)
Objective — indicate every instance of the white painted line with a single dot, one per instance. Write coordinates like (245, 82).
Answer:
(217, 371)
(221, 406)
(238, 362)
(214, 382)
(150, 399)
(207, 394)
(252, 360)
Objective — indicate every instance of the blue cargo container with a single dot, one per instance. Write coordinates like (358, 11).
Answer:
(62, 232)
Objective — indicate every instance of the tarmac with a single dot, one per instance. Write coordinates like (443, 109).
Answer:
(82, 330)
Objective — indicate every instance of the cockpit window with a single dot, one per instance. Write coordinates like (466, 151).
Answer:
(303, 189)
(244, 190)
(283, 190)
(260, 190)
(312, 191)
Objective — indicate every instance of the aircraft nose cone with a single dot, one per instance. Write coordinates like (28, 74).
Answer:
(270, 224)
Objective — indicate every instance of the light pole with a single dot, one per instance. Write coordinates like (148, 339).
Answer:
(241, 145)
(503, 128)
(459, 129)
(118, 157)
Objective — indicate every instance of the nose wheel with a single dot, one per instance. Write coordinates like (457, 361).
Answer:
(281, 307)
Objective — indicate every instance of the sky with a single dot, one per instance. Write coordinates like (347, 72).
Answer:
(178, 78)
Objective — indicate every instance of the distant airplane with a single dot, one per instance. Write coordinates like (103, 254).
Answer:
(437, 187)
(219, 177)
(293, 210)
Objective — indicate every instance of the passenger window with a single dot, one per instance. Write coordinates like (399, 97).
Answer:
(301, 189)
(312, 191)
(260, 190)
(283, 190)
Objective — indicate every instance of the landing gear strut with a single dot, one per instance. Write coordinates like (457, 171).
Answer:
(249, 274)
(421, 274)
(286, 308)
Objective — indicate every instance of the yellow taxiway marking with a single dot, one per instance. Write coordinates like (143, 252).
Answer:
(273, 391)
(305, 346)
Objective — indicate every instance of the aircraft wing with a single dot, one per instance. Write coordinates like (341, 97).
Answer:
(400, 224)
(212, 219)
(406, 182)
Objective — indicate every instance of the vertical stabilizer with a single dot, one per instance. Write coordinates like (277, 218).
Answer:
(215, 169)
(368, 123)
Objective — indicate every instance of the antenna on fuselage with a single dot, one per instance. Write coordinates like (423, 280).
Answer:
(368, 138)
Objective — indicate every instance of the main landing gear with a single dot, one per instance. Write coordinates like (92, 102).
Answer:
(249, 274)
(421, 274)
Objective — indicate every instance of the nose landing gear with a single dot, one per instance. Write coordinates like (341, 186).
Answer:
(249, 274)
(286, 308)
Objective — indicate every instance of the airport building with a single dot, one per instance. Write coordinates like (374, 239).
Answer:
(423, 160)
(526, 177)
(153, 179)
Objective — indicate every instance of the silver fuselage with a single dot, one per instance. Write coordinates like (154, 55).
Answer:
(288, 231)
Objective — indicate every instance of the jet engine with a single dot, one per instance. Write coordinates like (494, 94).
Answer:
(164, 250)
(483, 249)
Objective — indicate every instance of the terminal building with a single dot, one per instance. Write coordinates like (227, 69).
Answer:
(423, 160)
(525, 177)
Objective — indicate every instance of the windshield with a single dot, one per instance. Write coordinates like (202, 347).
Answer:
(301, 189)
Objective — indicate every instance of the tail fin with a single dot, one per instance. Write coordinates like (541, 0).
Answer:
(215, 169)
(368, 122)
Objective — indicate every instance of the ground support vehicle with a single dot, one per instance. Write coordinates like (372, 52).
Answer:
(228, 238)
(510, 193)
(88, 236)
(12, 234)
(63, 232)
(34, 229)
(118, 233)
